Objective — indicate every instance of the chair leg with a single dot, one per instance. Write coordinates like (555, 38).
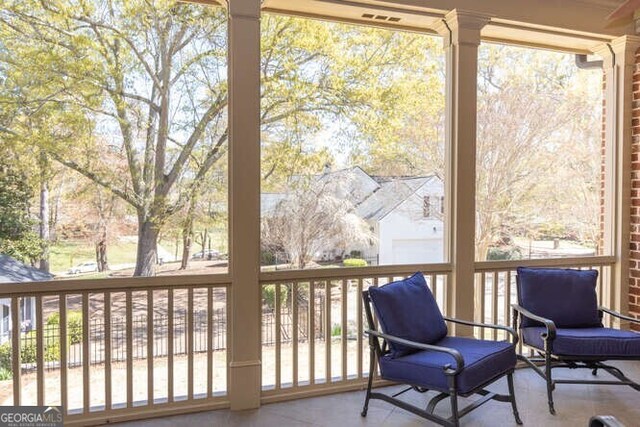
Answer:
(513, 399)
(547, 360)
(454, 408)
(372, 367)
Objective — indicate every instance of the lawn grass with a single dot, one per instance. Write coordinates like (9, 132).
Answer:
(64, 255)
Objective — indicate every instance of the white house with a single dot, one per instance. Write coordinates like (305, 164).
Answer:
(13, 271)
(404, 213)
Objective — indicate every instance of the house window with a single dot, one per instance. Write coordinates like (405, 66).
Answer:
(426, 206)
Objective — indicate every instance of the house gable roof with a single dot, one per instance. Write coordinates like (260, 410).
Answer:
(392, 192)
(14, 271)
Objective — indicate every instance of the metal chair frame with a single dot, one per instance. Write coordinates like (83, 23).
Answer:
(377, 350)
(550, 361)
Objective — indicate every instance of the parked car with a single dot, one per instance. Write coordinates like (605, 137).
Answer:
(206, 254)
(85, 267)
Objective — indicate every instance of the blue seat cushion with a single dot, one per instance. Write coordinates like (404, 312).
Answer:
(483, 362)
(566, 296)
(605, 342)
(407, 309)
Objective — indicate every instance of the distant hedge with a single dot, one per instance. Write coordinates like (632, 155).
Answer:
(354, 262)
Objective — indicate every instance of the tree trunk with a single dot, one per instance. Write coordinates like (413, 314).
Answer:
(146, 254)
(44, 212)
(186, 249)
(101, 253)
(187, 234)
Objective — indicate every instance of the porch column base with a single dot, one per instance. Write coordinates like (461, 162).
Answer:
(245, 384)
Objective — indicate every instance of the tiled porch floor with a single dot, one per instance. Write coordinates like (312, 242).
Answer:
(575, 404)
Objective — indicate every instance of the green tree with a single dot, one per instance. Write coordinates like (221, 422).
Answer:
(17, 238)
(147, 81)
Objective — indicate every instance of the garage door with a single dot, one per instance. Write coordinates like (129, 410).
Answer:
(417, 251)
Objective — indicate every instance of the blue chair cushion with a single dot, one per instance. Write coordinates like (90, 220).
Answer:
(484, 361)
(407, 309)
(604, 342)
(566, 296)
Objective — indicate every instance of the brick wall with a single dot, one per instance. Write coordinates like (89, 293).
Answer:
(634, 264)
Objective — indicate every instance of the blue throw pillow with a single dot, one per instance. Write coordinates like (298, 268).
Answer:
(566, 296)
(407, 309)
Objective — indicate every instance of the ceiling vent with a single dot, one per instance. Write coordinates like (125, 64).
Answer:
(381, 17)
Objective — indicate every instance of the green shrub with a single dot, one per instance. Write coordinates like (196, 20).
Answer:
(5, 356)
(354, 262)
(74, 325)
(336, 330)
(498, 254)
(5, 374)
(28, 348)
(355, 254)
(269, 296)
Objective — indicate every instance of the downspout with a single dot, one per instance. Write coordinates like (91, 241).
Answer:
(584, 64)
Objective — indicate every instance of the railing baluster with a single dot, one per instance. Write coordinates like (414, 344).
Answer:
(170, 344)
(150, 342)
(328, 331)
(343, 338)
(16, 344)
(129, 334)
(107, 350)
(189, 348)
(312, 332)
(507, 300)
(494, 303)
(434, 287)
(294, 335)
(278, 337)
(64, 345)
(86, 358)
(40, 338)
(209, 341)
(482, 301)
(359, 326)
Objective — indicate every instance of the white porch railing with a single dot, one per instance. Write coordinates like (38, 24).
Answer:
(312, 331)
(120, 348)
(313, 326)
(158, 346)
(495, 286)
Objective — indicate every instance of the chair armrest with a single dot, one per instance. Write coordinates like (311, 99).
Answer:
(455, 354)
(509, 330)
(619, 315)
(548, 323)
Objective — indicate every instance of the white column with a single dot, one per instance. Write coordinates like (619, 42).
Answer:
(461, 33)
(244, 202)
(619, 62)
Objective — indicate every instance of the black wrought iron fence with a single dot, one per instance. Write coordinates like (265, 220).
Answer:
(160, 327)
(139, 326)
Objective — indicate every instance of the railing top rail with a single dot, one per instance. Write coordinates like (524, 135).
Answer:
(112, 285)
(548, 262)
(351, 272)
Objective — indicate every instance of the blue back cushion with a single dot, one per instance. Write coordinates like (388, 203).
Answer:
(407, 309)
(566, 296)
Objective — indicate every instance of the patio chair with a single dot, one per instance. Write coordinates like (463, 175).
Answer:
(561, 321)
(414, 348)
